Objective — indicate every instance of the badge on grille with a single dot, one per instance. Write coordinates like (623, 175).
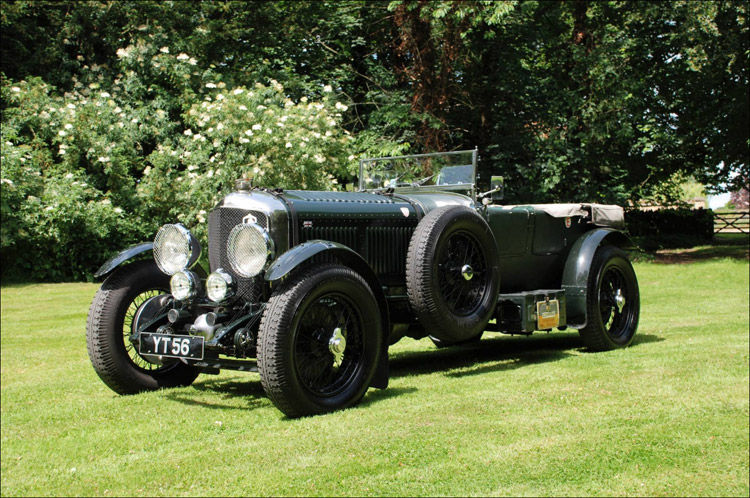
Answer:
(307, 224)
(249, 219)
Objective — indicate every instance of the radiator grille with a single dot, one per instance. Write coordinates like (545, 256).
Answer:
(386, 249)
(383, 247)
(220, 223)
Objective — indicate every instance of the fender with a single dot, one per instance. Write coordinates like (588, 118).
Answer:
(131, 252)
(122, 256)
(297, 255)
(578, 266)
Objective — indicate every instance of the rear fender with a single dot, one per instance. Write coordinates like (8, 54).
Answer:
(301, 253)
(578, 266)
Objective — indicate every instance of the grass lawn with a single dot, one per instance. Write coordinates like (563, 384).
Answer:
(510, 416)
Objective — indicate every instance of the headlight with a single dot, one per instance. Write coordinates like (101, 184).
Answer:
(175, 249)
(184, 285)
(220, 286)
(249, 248)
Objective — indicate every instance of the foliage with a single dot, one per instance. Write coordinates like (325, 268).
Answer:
(606, 101)
(102, 165)
(664, 228)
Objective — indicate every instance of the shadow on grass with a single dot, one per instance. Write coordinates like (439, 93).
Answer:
(492, 354)
(730, 245)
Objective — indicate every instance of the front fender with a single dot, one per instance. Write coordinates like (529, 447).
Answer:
(122, 256)
(578, 266)
(297, 255)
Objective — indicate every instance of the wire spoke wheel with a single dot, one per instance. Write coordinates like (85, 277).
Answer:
(129, 298)
(322, 368)
(612, 302)
(319, 341)
(129, 327)
(462, 276)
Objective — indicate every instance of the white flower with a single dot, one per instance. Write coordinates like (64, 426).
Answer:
(106, 202)
(183, 56)
(219, 126)
(49, 208)
(164, 50)
(303, 99)
(242, 108)
(222, 84)
(192, 61)
(16, 89)
(288, 145)
(244, 140)
(103, 159)
(7, 181)
(327, 88)
(269, 130)
(341, 107)
(105, 95)
(117, 110)
(220, 97)
(256, 127)
(62, 133)
(146, 170)
(118, 210)
(238, 91)
(68, 126)
(71, 106)
(249, 133)
(187, 132)
(122, 53)
(210, 85)
(198, 136)
(69, 176)
(318, 158)
(350, 158)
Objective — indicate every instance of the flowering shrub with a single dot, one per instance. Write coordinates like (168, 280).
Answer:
(90, 171)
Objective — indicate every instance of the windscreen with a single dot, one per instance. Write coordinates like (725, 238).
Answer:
(442, 169)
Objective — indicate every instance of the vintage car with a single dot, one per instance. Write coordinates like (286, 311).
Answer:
(310, 288)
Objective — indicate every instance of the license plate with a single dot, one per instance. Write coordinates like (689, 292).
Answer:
(171, 346)
(548, 314)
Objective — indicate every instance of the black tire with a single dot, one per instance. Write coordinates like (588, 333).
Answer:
(453, 302)
(298, 365)
(612, 301)
(109, 326)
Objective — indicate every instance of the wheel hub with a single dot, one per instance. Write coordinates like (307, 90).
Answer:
(337, 345)
(467, 271)
(619, 300)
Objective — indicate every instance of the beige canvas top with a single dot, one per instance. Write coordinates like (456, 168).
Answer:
(605, 215)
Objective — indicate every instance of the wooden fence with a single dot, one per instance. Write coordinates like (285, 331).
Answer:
(732, 222)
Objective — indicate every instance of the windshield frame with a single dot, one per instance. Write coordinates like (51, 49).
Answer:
(462, 187)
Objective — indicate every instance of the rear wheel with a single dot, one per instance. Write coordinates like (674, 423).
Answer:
(612, 301)
(129, 297)
(319, 341)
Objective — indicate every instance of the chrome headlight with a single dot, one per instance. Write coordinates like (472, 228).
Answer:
(249, 248)
(184, 285)
(175, 249)
(220, 286)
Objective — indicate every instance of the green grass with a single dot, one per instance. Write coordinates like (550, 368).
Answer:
(510, 416)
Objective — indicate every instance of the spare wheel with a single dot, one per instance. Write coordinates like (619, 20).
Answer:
(452, 273)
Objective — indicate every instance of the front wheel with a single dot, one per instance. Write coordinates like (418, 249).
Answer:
(319, 341)
(129, 297)
(612, 301)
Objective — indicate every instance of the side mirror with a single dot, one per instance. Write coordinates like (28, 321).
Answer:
(497, 187)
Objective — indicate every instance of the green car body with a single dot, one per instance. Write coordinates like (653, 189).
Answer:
(310, 288)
